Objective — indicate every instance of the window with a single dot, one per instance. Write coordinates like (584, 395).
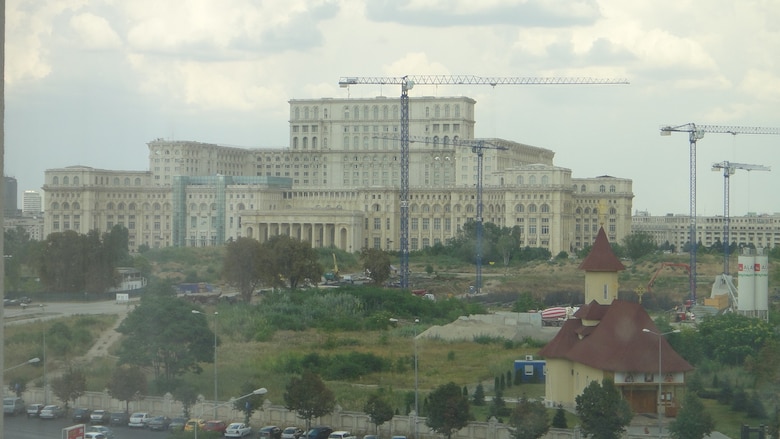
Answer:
(377, 223)
(415, 223)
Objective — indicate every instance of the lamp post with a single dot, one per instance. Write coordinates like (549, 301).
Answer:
(30, 361)
(660, 377)
(260, 391)
(195, 311)
(416, 381)
(45, 382)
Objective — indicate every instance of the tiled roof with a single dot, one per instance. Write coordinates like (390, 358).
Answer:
(617, 343)
(601, 257)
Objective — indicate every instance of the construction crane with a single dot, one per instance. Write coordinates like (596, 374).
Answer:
(478, 147)
(407, 83)
(696, 133)
(728, 169)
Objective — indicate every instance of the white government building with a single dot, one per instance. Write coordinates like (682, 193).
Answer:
(338, 184)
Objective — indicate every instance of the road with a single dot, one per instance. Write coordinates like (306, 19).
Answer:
(14, 315)
(21, 427)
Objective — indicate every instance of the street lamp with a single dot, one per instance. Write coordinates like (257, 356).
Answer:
(416, 381)
(660, 376)
(30, 361)
(260, 391)
(195, 311)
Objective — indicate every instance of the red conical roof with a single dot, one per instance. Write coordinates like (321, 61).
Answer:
(601, 257)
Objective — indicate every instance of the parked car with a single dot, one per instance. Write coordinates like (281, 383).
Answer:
(51, 411)
(238, 429)
(100, 417)
(119, 418)
(292, 433)
(107, 432)
(215, 425)
(177, 424)
(270, 432)
(81, 415)
(159, 423)
(13, 406)
(194, 423)
(139, 420)
(33, 410)
(370, 436)
(94, 435)
(341, 434)
(319, 432)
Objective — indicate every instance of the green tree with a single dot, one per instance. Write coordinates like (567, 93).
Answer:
(18, 249)
(378, 410)
(126, 384)
(376, 262)
(559, 420)
(289, 262)
(692, 421)
(602, 410)
(187, 395)
(448, 410)
(61, 263)
(526, 302)
(69, 386)
(763, 365)
(241, 266)
(250, 404)
(162, 333)
(529, 419)
(478, 398)
(308, 397)
(639, 244)
(730, 338)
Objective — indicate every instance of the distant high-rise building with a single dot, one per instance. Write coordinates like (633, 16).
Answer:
(9, 197)
(31, 203)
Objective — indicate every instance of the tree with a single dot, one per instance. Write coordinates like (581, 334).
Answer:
(448, 409)
(241, 266)
(69, 386)
(377, 263)
(60, 265)
(251, 403)
(639, 244)
(308, 397)
(692, 421)
(602, 410)
(529, 419)
(526, 302)
(730, 338)
(559, 420)
(289, 261)
(162, 333)
(478, 398)
(187, 395)
(126, 384)
(378, 410)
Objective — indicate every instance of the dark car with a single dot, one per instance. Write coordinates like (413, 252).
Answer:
(270, 432)
(119, 418)
(100, 417)
(81, 415)
(319, 432)
(215, 425)
(159, 423)
(177, 424)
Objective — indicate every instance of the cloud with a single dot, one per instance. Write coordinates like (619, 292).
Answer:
(445, 13)
(95, 33)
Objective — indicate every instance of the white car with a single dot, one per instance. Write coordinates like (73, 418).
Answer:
(341, 435)
(238, 429)
(139, 419)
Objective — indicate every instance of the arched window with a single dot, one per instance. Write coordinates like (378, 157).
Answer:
(612, 189)
(545, 208)
(127, 181)
(532, 179)
(120, 206)
(582, 188)
(65, 206)
(602, 189)
(55, 205)
(578, 211)
(545, 180)
(131, 206)
(356, 112)
(532, 208)
(519, 180)
(137, 181)
(110, 206)
(314, 143)
(75, 181)
(76, 205)
(519, 208)
(346, 113)
(116, 181)
(612, 211)
(65, 180)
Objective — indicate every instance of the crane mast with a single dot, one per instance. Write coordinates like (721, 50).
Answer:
(696, 133)
(407, 82)
(730, 168)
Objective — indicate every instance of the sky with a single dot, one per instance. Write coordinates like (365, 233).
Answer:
(91, 82)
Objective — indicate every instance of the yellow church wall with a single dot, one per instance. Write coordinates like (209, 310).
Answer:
(565, 380)
(601, 287)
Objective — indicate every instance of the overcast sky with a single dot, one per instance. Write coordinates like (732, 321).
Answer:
(90, 82)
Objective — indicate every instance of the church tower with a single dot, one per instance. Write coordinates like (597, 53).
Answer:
(601, 271)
